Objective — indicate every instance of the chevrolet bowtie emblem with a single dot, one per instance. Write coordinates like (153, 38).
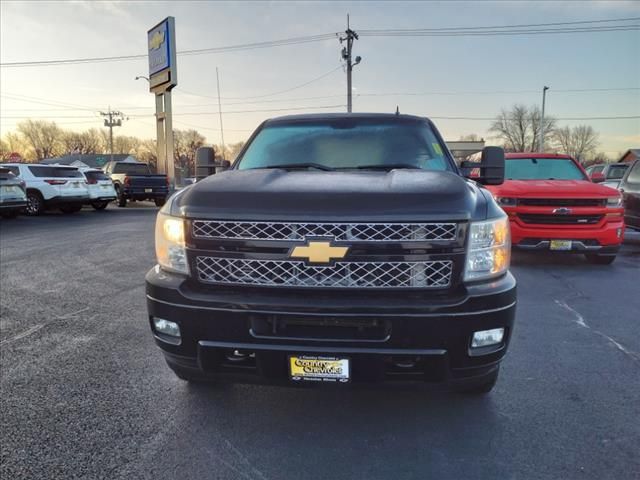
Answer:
(157, 39)
(319, 252)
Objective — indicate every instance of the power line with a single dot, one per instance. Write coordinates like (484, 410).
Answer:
(489, 33)
(200, 51)
(586, 26)
(296, 87)
(521, 25)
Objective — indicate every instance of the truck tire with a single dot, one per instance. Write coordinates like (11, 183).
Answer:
(159, 201)
(100, 205)
(482, 388)
(600, 259)
(122, 201)
(70, 208)
(35, 203)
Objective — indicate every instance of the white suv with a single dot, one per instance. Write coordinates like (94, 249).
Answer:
(101, 190)
(51, 186)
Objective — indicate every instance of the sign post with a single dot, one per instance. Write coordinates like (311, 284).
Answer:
(163, 76)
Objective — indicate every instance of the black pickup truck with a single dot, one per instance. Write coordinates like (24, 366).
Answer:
(134, 181)
(339, 248)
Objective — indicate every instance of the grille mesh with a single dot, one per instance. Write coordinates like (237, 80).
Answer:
(235, 271)
(363, 232)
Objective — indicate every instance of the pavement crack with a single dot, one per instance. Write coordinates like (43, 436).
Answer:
(579, 320)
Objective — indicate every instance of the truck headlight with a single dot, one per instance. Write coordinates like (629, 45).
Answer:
(170, 245)
(488, 250)
(614, 202)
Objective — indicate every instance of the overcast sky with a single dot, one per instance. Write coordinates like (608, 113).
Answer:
(504, 69)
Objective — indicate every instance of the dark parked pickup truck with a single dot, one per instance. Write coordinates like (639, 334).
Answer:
(339, 248)
(134, 181)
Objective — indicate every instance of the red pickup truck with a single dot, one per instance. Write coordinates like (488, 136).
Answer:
(553, 205)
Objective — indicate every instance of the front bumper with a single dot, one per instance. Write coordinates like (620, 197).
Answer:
(432, 333)
(603, 237)
(10, 205)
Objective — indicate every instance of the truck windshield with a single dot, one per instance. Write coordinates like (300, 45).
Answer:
(542, 169)
(131, 168)
(346, 144)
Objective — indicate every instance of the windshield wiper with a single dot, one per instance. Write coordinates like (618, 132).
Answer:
(388, 166)
(317, 166)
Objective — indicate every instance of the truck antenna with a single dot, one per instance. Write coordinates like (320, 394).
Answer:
(397, 110)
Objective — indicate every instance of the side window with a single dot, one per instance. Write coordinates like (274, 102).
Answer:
(634, 174)
(14, 170)
(41, 171)
(598, 169)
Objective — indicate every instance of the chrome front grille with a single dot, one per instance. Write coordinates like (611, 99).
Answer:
(286, 273)
(353, 232)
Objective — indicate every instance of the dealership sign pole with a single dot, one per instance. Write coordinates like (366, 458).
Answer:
(163, 76)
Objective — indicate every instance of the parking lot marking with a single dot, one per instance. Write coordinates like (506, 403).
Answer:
(580, 321)
(26, 333)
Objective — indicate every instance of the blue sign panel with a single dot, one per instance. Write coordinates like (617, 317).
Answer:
(159, 47)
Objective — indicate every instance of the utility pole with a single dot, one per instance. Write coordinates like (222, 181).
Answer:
(541, 142)
(115, 120)
(346, 55)
(220, 112)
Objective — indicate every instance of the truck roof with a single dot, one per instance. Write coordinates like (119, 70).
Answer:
(536, 155)
(339, 116)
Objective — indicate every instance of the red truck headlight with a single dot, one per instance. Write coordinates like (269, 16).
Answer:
(614, 202)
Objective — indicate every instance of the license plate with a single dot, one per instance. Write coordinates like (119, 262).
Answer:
(560, 245)
(148, 190)
(304, 368)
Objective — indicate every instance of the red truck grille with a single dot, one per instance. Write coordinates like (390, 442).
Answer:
(563, 202)
(547, 219)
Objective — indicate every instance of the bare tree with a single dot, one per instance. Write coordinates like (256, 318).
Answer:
(519, 128)
(471, 137)
(42, 136)
(580, 141)
(185, 144)
(231, 150)
(147, 152)
(13, 143)
(125, 144)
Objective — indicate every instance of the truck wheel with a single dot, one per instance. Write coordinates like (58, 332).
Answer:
(70, 208)
(600, 259)
(100, 205)
(122, 201)
(35, 203)
(159, 202)
(479, 388)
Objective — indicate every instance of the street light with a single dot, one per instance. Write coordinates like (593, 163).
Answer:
(541, 143)
(142, 76)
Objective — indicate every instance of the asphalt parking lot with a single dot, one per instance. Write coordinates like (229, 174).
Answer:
(85, 392)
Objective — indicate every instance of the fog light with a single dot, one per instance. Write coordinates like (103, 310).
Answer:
(166, 327)
(485, 338)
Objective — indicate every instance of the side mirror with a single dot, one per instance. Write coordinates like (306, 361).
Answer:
(597, 177)
(206, 163)
(491, 167)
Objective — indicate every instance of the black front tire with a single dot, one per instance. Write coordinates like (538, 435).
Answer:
(70, 208)
(100, 205)
(159, 201)
(600, 259)
(478, 388)
(35, 204)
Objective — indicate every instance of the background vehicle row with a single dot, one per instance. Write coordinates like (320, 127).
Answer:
(13, 197)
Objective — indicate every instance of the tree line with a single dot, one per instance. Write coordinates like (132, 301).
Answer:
(36, 140)
(517, 128)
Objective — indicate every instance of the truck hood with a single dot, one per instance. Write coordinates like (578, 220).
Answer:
(552, 189)
(276, 194)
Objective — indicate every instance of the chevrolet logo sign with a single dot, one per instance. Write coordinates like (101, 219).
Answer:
(318, 252)
(157, 39)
